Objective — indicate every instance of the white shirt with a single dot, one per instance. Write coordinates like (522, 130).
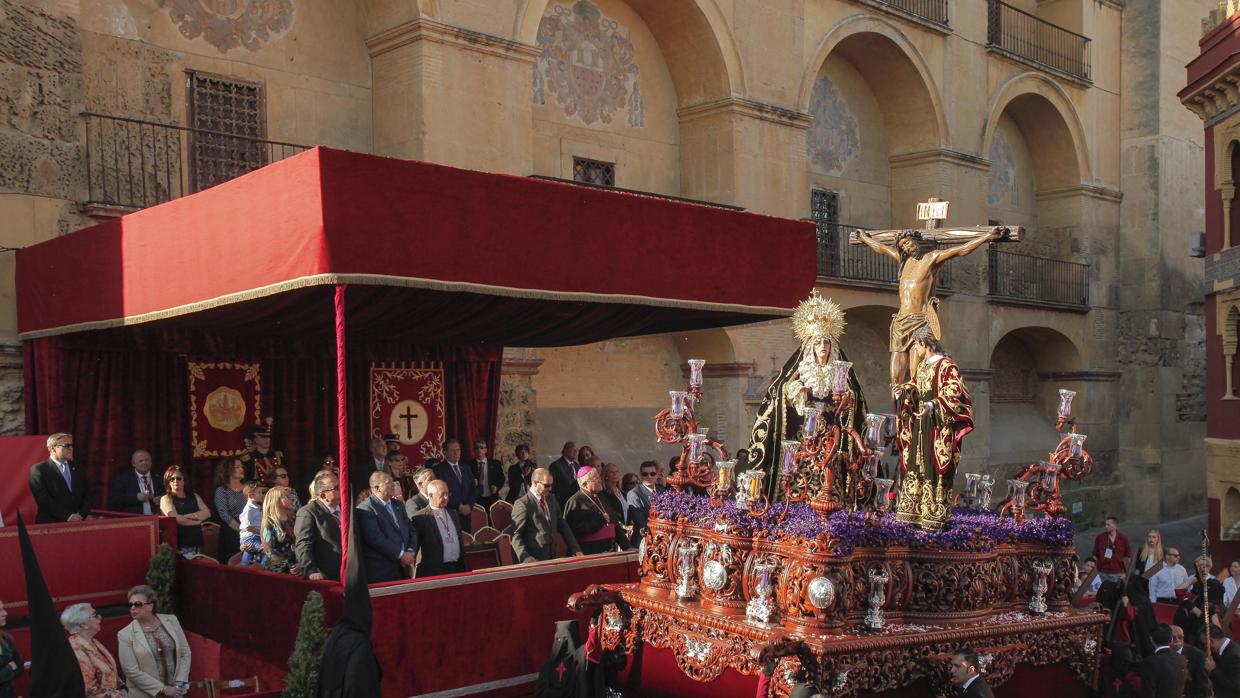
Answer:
(965, 686)
(1229, 590)
(451, 541)
(633, 498)
(144, 479)
(1162, 584)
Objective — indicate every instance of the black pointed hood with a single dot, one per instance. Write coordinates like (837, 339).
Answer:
(55, 672)
(349, 667)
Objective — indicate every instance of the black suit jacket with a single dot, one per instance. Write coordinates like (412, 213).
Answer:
(495, 473)
(1226, 674)
(56, 501)
(430, 555)
(318, 541)
(978, 689)
(518, 479)
(532, 536)
(565, 484)
(1197, 676)
(123, 494)
(1164, 675)
(384, 538)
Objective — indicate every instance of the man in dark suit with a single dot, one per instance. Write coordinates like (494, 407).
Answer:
(462, 488)
(489, 473)
(422, 477)
(317, 530)
(564, 470)
(536, 518)
(966, 675)
(439, 532)
(58, 484)
(1223, 665)
(1164, 673)
(1198, 678)
(135, 490)
(519, 474)
(389, 543)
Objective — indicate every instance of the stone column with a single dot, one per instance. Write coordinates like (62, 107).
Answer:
(518, 403)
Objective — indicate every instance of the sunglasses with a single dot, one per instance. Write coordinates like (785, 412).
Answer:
(174, 478)
(139, 604)
(648, 474)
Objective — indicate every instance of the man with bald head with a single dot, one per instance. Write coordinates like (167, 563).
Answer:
(536, 518)
(439, 530)
(135, 490)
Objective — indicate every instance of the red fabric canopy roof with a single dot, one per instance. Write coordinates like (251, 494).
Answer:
(432, 233)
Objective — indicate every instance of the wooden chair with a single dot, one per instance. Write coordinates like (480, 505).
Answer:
(210, 539)
(506, 555)
(501, 514)
(486, 534)
(231, 687)
(477, 518)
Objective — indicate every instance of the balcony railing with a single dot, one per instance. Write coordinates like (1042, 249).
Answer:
(839, 260)
(1025, 37)
(933, 11)
(132, 164)
(1023, 277)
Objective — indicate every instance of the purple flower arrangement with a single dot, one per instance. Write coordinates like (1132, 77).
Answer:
(969, 531)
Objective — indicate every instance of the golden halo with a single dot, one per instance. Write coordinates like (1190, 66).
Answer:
(818, 317)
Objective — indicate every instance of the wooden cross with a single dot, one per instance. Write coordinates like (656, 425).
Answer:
(408, 416)
(933, 212)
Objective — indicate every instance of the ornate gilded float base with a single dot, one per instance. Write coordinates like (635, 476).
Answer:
(852, 662)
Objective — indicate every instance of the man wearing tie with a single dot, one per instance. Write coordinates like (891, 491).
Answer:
(462, 488)
(1223, 663)
(58, 484)
(317, 530)
(564, 471)
(135, 491)
(439, 530)
(1164, 674)
(490, 475)
(639, 497)
(536, 519)
(389, 543)
(966, 675)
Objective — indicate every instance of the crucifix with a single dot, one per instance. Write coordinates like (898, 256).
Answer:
(920, 254)
(408, 418)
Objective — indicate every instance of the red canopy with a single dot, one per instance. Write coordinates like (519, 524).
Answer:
(440, 248)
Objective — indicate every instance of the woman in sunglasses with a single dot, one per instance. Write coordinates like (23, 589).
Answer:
(153, 650)
(82, 622)
(189, 509)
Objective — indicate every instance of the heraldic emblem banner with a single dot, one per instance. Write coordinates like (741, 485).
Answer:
(407, 400)
(225, 400)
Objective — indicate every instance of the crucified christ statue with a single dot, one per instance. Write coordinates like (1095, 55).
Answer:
(919, 264)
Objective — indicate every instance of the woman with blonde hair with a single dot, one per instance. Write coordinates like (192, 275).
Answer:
(83, 622)
(153, 649)
(1151, 553)
(277, 530)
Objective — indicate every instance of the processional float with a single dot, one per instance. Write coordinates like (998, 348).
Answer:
(811, 555)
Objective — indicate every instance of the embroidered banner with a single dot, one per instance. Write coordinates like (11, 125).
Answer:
(225, 400)
(407, 400)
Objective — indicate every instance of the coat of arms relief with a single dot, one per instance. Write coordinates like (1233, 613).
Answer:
(587, 65)
(226, 24)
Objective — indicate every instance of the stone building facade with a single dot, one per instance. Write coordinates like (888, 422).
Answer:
(1050, 114)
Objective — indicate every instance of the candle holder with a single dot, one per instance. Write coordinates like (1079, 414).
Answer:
(749, 492)
(874, 429)
(695, 372)
(1016, 498)
(970, 488)
(882, 496)
(877, 597)
(809, 428)
(1076, 444)
(677, 425)
(985, 490)
(760, 609)
(839, 376)
(1041, 570)
(686, 582)
(723, 482)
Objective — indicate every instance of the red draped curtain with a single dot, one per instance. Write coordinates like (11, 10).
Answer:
(120, 390)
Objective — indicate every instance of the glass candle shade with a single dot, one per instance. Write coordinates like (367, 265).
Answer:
(751, 483)
(1016, 492)
(812, 415)
(870, 469)
(695, 447)
(970, 485)
(1076, 443)
(695, 372)
(882, 493)
(874, 429)
(788, 464)
(724, 469)
(680, 401)
(1050, 472)
(1065, 402)
(839, 376)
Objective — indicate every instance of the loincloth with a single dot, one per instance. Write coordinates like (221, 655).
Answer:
(904, 326)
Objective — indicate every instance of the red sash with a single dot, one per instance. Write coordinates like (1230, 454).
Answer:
(608, 532)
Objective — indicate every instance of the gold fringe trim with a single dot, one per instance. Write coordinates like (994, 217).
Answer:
(402, 282)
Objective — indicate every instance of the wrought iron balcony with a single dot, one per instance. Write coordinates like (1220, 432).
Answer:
(933, 11)
(838, 260)
(132, 164)
(1039, 280)
(1026, 38)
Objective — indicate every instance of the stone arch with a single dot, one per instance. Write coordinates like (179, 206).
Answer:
(1045, 114)
(895, 70)
(694, 36)
(715, 346)
(866, 344)
(1024, 391)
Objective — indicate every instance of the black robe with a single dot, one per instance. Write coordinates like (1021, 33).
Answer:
(776, 422)
(348, 667)
(55, 670)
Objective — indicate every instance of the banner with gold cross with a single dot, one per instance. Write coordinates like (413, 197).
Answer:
(225, 401)
(407, 400)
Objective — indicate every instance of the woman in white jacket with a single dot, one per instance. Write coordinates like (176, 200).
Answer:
(153, 651)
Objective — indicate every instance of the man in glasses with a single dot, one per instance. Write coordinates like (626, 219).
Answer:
(639, 497)
(1172, 576)
(58, 484)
